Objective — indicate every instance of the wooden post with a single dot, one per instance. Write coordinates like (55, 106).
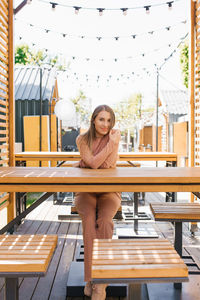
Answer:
(11, 206)
(192, 95)
(192, 84)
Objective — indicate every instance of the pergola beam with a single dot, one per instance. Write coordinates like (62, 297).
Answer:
(20, 6)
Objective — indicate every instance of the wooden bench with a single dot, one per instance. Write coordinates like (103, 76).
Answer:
(136, 262)
(177, 213)
(24, 256)
(118, 214)
(119, 164)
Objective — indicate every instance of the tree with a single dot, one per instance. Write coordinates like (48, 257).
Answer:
(129, 111)
(83, 108)
(184, 61)
(24, 55)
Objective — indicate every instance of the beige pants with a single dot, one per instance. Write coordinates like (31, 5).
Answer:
(107, 205)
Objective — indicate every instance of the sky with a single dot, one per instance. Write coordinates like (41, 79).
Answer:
(111, 56)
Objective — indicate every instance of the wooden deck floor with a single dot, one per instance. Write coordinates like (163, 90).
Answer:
(44, 220)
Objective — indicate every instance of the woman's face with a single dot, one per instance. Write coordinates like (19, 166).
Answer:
(102, 123)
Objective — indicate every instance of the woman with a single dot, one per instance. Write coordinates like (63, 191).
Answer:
(99, 150)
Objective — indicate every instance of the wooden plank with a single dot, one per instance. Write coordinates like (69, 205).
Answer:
(5, 89)
(3, 14)
(130, 261)
(4, 8)
(186, 211)
(32, 137)
(5, 3)
(74, 156)
(137, 250)
(26, 264)
(4, 74)
(103, 242)
(136, 256)
(3, 117)
(140, 271)
(144, 176)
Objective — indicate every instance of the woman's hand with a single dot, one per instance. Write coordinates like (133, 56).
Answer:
(115, 135)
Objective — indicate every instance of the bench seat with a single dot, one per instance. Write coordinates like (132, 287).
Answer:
(176, 211)
(134, 261)
(24, 256)
(119, 164)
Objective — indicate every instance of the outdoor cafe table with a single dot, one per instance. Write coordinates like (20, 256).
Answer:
(39, 179)
(169, 157)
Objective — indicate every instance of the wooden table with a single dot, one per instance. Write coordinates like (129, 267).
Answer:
(24, 256)
(20, 179)
(136, 262)
(30, 179)
(129, 157)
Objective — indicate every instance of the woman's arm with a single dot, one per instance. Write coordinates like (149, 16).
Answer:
(90, 160)
(110, 161)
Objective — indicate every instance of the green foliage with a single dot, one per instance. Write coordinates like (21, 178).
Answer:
(31, 198)
(129, 111)
(83, 108)
(184, 61)
(24, 55)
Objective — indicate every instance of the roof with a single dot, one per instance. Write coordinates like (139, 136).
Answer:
(27, 83)
(175, 101)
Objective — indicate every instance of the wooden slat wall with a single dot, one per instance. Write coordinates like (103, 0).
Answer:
(6, 98)
(4, 154)
(197, 85)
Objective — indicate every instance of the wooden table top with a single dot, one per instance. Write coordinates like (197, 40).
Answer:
(100, 180)
(176, 211)
(68, 156)
(26, 253)
(147, 258)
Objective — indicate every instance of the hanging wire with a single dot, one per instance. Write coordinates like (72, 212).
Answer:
(99, 38)
(124, 9)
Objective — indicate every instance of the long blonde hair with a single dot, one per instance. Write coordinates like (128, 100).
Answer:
(90, 135)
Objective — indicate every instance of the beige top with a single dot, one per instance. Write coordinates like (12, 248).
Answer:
(103, 155)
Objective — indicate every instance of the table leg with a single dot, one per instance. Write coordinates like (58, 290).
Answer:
(178, 245)
(135, 291)
(135, 211)
(11, 289)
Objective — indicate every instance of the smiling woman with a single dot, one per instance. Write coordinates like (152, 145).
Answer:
(99, 150)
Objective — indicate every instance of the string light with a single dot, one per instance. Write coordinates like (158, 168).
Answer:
(124, 11)
(147, 7)
(99, 38)
(77, 8)
(170, 5)
(53, 5)
(100, 11)
(180, 40)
